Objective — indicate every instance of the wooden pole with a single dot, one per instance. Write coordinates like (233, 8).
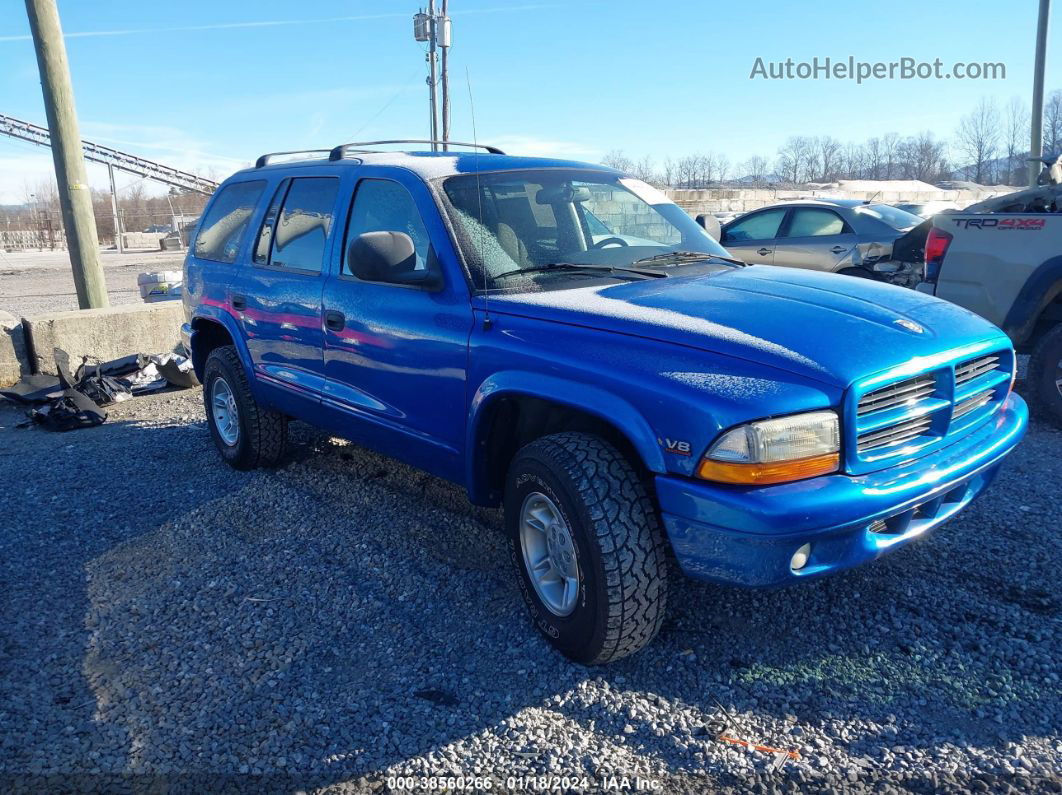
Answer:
(75, 200)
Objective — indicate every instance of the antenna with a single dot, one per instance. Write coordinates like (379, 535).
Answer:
(479, 197)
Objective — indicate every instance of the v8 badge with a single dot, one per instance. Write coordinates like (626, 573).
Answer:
(676, 446)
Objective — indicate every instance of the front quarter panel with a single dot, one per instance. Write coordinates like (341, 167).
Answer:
(670, 401)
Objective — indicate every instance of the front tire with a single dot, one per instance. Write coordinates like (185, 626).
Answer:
(246, 434)
(1044, 377)
(587, 546)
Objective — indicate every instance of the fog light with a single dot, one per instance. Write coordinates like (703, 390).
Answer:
(800, 558)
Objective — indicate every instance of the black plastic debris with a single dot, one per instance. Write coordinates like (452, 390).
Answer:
(33, 389)
(66, 402)
(70, 411)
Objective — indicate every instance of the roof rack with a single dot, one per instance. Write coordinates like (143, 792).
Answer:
(340, 151)
(265, 159)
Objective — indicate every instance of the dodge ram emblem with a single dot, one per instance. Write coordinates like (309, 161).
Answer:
(910, 325)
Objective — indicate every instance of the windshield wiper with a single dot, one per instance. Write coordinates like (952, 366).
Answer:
(575, 266)
(686, 256)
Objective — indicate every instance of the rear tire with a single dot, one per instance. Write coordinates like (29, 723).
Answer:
(1044, 378)
(859, 273)
(608, 522)
(246, 435)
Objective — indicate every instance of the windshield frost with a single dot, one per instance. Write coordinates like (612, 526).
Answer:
(514, 221)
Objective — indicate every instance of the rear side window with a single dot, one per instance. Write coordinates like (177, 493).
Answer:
(808, 222)
(761, 226)
(222, 228)
(296, 229)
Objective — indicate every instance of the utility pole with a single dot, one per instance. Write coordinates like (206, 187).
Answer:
(444, 43)
(74, 196)
(114, 212)
(1037, 118)
(435, 30)
(432, 79)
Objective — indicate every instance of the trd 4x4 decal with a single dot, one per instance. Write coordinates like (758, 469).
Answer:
(1032, 224)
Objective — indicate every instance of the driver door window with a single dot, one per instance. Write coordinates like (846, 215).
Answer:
(384, 206)
(759, 226)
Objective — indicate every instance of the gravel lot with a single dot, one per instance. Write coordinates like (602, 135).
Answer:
(32, 282)
(346, 618)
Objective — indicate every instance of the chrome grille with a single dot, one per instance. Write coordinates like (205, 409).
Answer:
(975, 368)
(972, 403)
(894, 435)
(924, 411)
(901, 394)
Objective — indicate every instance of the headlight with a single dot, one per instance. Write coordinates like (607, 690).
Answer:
(775, 451)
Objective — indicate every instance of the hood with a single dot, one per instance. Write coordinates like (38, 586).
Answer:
(833, 329)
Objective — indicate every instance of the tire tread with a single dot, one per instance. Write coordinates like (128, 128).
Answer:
(627, 531)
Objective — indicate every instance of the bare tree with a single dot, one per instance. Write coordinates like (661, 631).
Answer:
(829, 157)
(978, 139)
(1016, 138)
(890, 155)
(853, 161)
(668, 174)
(619, 161)
(722, 168)
(755, 168)
(794, 159)
(922, 157)
(1053, 124)
(644, 170)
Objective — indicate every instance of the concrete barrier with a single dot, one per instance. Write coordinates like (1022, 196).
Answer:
(14, 359)
(142, 239)
(103, 333)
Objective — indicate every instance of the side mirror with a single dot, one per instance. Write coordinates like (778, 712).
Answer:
(389, 257)
(711, 225)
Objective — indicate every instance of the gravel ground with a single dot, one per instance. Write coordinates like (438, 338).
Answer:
(345, 619)
(32, 282)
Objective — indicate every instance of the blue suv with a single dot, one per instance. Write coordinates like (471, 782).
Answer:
(563, 340)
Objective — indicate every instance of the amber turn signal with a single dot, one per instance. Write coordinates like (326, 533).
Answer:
(774, 472)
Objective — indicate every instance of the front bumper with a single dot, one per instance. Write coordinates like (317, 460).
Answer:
(748, 535)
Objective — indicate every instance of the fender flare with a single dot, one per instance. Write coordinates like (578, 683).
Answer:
(1039, 290)
(206, 313)
(585, 397)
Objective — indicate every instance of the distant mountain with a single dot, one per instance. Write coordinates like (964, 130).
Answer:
(766, 179)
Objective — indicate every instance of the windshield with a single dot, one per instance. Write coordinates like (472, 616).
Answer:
(516, 221)
(898, 219)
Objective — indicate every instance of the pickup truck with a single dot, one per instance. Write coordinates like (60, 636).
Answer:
(1003, 260)
(563, 341)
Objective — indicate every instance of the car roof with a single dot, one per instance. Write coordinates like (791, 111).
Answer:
(430, 165)
(821, 202)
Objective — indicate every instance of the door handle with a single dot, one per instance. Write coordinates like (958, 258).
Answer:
(335, 320)
(763, 252)
(239, 302)
(838, 249)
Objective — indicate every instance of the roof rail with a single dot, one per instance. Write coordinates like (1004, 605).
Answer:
(340, 151)
(264, 159)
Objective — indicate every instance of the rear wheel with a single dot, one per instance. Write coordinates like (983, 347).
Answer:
(246, 434)
(1044, 378)
(859, 273)
(587, 547)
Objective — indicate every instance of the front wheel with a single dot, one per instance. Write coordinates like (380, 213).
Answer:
(247, 435)
(1044, 378)
(587, 547)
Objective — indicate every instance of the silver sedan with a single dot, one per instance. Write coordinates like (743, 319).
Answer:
(838, 235)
